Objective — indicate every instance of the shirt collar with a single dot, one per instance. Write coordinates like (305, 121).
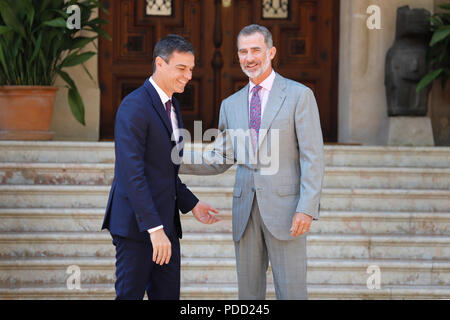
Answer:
(162, 95)
(266, 84)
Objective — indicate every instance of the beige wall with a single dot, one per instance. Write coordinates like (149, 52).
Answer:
(362, 99)
(64, 124)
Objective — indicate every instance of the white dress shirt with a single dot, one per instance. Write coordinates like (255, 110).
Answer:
(266, 86)
(173, 119)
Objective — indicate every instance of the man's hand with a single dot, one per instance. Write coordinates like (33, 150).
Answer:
(300, 224)
(162, 248)
(201, 213)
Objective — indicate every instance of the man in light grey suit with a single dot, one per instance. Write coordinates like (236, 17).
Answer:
(272, 209)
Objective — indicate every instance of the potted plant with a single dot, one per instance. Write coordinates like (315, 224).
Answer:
(438, 55)
(37, 45)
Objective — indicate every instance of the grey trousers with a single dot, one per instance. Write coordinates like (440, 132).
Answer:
(287, 258)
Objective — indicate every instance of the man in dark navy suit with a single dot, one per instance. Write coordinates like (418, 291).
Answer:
(146, 195)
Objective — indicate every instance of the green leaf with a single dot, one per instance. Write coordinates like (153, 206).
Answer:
(5, 29)
(62, 13)
(444, 6)
(44, 5)
(88, 73)
(429, 78)
(57, 3)
(77, 43)
(76, 105)
(28, 9)
(440, 34)
(436, 22)
(3, 62)
(66, 78)
(72, 60)
(10, 18)
(445, 18)
(58, 23)
(101, 32)
(97, 21)
(37, 47)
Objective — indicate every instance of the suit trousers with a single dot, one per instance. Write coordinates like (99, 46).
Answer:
(288, 260)
(136, 273)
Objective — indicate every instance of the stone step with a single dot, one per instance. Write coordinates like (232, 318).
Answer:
(335, 246)
(351, 177)
(27, 196)
(228, 291)
(211, 245)
(86, 219)
(369, 222)
(34, 271)
(379, 156)
(103, 152)
(387, 178)
(57, 151)
(354, 222)
(335, 177)
(56, 173)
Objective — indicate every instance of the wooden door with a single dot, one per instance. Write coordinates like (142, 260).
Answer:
(305, 33)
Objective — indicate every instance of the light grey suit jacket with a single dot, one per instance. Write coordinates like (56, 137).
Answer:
(292, 180)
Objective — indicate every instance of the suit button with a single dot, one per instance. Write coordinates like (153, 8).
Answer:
(174, 197)
(253, 189)
(140, 219)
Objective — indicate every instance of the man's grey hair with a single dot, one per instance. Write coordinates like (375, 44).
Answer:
(255, 28)
(170, 43)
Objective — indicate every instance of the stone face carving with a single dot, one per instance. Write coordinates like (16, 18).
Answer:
(406, 64)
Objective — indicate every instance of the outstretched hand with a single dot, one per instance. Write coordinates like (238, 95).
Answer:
(202, 213)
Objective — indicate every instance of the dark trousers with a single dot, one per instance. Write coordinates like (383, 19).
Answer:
(136, 273)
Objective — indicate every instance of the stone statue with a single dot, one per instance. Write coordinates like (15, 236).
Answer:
(406, 64)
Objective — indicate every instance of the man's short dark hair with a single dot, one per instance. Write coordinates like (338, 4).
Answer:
(170, 43)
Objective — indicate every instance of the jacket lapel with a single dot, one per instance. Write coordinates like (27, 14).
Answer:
(157, 104)
(176, 105)
(242, 113)
(181, 142)
(276, 98)
(178, 112)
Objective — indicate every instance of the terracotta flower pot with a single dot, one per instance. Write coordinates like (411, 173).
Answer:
(26, 112)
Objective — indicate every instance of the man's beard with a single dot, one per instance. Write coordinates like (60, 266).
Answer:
(257, 73)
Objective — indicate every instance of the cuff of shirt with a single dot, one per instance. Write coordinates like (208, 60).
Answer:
(155, 229)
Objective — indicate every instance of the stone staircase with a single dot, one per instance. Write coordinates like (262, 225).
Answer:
(384, 207)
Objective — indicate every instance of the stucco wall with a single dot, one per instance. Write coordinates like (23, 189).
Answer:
(64, 124)
(362, 100)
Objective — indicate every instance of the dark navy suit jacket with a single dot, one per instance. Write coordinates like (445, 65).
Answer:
(146, 191)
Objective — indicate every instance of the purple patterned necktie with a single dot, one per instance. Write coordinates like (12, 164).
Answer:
(255, 116)
(169, 110)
